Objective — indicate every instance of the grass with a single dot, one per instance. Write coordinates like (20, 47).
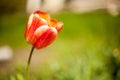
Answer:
(12, 29)
(83, 50)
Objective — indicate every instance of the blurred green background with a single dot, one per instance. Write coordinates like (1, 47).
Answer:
(87, 48)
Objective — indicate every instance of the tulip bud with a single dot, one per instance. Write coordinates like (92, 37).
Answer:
(41, 30)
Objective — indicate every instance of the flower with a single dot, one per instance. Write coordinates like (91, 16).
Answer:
(41, 30)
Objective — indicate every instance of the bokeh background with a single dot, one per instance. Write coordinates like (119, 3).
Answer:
(87, 48)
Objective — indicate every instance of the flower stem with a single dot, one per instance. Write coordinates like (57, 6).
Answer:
(28, 63)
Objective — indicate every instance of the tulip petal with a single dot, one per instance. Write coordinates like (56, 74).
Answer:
(43, 15)
(31, 27)
(30, 20)
(53, 22)
(46, 38)
(39, 31)
(59, 26)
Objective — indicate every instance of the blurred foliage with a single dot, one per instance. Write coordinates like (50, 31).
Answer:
(87, 48)
(7, 6)
(12, 29)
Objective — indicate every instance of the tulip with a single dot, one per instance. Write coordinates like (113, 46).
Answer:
(41, 29)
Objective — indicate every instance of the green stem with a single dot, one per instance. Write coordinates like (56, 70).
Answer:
(28, 63)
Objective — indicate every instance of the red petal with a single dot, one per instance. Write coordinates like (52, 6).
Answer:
(46, 38)
(59, 26)
(38, 32)
(31, 27)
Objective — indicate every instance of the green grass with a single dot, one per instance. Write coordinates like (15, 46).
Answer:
(12, 29)
(83, 50)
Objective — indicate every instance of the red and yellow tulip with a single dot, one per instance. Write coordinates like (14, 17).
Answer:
(41, 29)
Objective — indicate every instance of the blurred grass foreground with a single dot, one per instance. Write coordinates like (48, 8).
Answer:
(87, 48)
